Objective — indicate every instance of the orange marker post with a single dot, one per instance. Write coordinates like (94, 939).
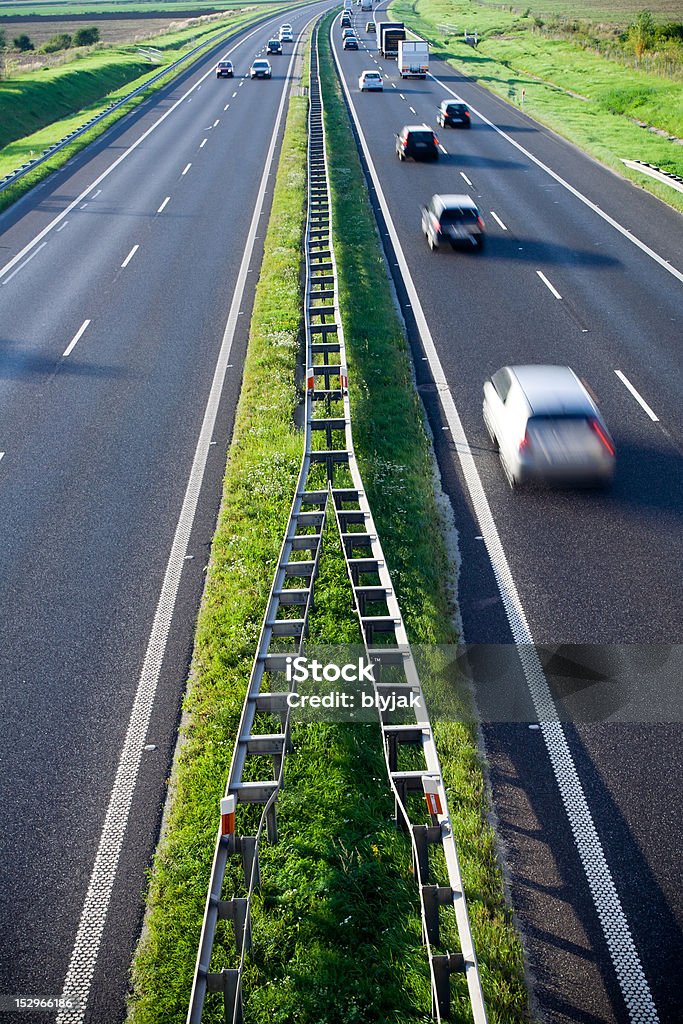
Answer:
(310, 379)
(344, 378)
(432, 796)
(228, 815)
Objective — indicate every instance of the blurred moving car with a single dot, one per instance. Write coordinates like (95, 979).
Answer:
(350, 43)
(370, 26)
(370, 80)
(417, 141)
(285, 34)
(453, 114)
(347, 32)
(454, 219)
(345, 20)
(261, 69)
(547, 427)
(224, 69)
(274, 46)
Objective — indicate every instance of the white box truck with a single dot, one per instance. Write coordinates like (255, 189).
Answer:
(413, 58)
(366, 5)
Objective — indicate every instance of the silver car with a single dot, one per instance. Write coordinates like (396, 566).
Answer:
(547, 427)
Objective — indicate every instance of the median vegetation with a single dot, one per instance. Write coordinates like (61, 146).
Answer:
(336, 929)
(612, 86)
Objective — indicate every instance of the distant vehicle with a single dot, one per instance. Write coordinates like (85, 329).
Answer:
(224, 69)
(417, 141)
(347, 32)
(547, 427)
(274, 46)
(370, 80)
(261, 69)
(452, 114)
(413, 58)
(366, 5)
(345, 20)
(285, 34)
(390, 32)
(370, 26)
(350, 43)
(454, 219)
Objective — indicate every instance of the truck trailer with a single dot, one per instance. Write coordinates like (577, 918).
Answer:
(390, 33)
(413, 58)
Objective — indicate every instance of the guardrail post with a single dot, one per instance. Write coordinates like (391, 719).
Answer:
(444, 966)
(237, 911)
(271, 823)
(433, 897)
(424, 835)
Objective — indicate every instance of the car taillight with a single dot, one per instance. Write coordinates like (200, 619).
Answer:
(436, 141)
(436, 225)
(524, 443)
(467, 113)
(604, 439)
(480, 222)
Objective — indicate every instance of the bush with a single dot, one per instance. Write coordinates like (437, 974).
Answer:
(23, 43)
(58, 42)
(86, 36)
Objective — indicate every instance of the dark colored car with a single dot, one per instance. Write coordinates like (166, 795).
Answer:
(350, 43)
(345, 21)
(260, 69)
(274, 46)
(453, 114)
(417, 141)
(224, 69)
(454, 219)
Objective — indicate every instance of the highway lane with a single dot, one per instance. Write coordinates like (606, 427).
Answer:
(589, 568)
(111, 328)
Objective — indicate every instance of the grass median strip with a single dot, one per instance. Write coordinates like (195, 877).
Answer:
(336, 929)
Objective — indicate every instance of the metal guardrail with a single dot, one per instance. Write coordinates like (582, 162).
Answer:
(329, 453)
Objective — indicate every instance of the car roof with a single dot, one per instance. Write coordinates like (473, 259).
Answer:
(449, 202)
(552, 389)
(452, 103)
(260, 61)
(417, 128)
(370, 71)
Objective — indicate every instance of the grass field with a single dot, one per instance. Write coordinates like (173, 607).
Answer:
(171, 7)
(336, 933)
(589, 99)
(616, 12)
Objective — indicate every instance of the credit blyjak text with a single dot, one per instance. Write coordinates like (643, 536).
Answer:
(301, 670)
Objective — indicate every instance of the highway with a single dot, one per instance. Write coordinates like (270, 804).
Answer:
(126, 283)
(581, 268)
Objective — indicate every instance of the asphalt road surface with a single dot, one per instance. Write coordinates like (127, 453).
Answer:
(117, 278)
(597, 574)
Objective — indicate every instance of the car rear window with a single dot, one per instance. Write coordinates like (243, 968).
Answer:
(456, 108)
(458, 216)
(421, 137)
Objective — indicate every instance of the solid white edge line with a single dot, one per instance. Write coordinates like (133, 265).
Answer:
(164, 204)
(639, 398)
(22, 265)
(615, 927)
(130, 255)
(76, 338)
(85, 952)
(498, 220)
(570, 188)
(105, 174)
(548, 285)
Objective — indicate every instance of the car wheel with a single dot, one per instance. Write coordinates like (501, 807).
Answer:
(432, 242)
(481, 243)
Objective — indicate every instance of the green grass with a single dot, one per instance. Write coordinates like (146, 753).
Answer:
(86, 86)
(336, 929)
(122, 6)
(587, 98)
